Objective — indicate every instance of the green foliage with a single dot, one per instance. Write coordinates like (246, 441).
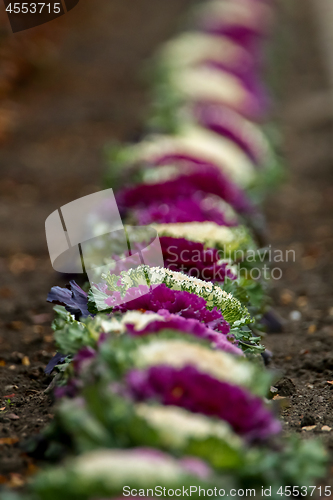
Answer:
(71, 335)
(166, 102)
(102, 418)
(120, 166)
(96, 301)
(270, 177)
(295, 463)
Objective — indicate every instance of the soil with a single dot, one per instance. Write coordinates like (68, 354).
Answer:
(300, 218)
(93, 93)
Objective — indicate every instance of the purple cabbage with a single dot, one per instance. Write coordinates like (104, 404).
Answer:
(180, 210)
(144, 298)
(249, 37)
(201, 393)
(195, 176)
(258, 98)
(185, 304)
(196, 467)
(223, 121)
(188, 325)
(83, 357)
(70, 390)
(193, 259)
(244, 63)
(243, 35)
(187, 464)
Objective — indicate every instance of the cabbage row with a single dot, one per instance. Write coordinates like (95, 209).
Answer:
(160, 375)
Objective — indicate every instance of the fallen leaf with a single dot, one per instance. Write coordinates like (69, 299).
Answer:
(287, 297)
(302, 301)
(32, 468)
(284, 401)
(326, 428)
(16, 480)
(1, 409)
(2, 362)
(312, 328)
(309, 262)
(38, 329)
(329, 382)
(9, 396)
(26, 361)
(9, 441)
(16, 325)
(12, 416)
(6, 293)
(20, 263)
(309, 428)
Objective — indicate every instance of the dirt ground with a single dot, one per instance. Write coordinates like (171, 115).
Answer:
(300, 217)
(92, 93)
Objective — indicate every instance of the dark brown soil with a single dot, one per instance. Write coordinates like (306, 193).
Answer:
(93, 93)
(300, 217)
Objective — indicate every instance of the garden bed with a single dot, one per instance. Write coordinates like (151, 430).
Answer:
(302, 353)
